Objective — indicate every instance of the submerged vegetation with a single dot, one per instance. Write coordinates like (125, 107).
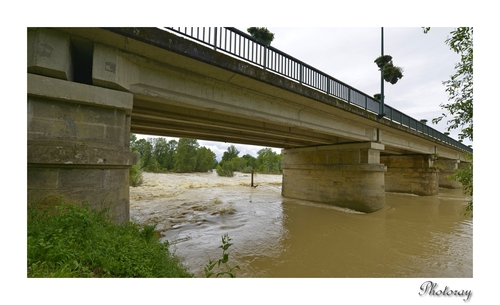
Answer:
(226, 268)
(71, 241)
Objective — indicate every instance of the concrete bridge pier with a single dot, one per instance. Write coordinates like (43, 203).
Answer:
(78, 134)
(344, 175)
(413, 174)
(446, 169)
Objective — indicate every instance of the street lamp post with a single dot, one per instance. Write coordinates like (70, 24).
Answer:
(381, 113)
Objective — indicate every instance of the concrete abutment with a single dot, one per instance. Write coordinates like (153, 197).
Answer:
(78, 134)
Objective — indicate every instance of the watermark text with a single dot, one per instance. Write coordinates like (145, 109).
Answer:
(430, 288)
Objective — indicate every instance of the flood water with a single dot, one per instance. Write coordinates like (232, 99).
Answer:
(276, 237)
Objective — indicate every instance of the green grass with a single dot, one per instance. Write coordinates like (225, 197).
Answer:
(79, 242)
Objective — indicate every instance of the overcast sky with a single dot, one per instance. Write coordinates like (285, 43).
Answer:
(348, 54)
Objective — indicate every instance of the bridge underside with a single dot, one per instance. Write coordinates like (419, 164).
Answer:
(168, 119)
(89, 88)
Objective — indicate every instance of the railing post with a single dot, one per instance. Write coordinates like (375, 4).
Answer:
(215, 38)
(265, 58)
(301, 72)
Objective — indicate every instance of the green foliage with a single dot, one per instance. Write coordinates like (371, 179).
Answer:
(460, 90)
(247, 169)
(464, 175)
(163, 152)
(205, 159)
(185, 155)
(262, 35)
(230, 154)
(227, 269)
(79, 242)
(226, 170)
(269, 162)
(157, 155)
(460, 85)
(251, 161)
(383, 60)
(239, 164)
(135, 175)
(390, 72)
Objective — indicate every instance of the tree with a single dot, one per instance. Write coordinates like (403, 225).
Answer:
(185, 156)
(205, 159)
(460, 90)
(163, 152)
(239, 164)
(251, 161)
(133, 138)
(269, 161)
(459, 86)
(229, 154)
(145, 148)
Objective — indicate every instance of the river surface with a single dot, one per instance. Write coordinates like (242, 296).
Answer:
(276, 237)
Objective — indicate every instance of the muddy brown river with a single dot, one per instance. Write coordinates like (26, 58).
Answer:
(276, 237)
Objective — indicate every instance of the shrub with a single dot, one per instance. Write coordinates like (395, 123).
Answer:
(247, 169)
(226, 170)
(135, 176)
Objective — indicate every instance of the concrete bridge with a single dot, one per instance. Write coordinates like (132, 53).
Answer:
(88, 88)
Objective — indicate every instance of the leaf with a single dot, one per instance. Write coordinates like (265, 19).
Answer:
(226, 246)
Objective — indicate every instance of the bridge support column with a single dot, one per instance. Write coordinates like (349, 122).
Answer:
(413, 174)
(78, 148)
(78, 134)
(344, 175)
(446, 169)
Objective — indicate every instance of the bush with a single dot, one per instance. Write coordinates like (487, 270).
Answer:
(135, 176)
(226, 170)
(79, 242)
(247, 169)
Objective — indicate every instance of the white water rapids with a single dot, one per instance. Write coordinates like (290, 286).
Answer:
(273, 236)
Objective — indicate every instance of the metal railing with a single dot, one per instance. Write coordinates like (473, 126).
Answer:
(245, 47)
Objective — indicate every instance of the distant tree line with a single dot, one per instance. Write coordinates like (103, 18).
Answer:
(267, 162)
(186, 156)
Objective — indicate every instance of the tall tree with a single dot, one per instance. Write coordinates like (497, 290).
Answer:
(164, 151)
(251, 161)
(460, 106)
(205, 159)
(269, 161)
(230, 153)
(459, 86)
(185, 156)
